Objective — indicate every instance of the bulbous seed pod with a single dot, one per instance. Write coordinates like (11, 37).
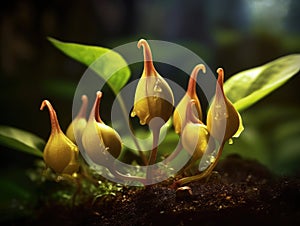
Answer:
(153, 96)
(99, 139)
(195, 135)
(180, 110)
(60, 153)
(77, 126)
(222, 118)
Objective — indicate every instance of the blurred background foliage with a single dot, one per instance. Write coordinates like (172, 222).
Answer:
(234, 34)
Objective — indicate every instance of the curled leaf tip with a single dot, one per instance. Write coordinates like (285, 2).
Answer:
(192, 82)
(148, 62)
(44, 103)
(53, 117)
(200, 67)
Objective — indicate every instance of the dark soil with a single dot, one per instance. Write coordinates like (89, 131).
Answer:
(242, 193)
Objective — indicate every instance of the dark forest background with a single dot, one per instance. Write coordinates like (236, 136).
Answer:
(234, 34)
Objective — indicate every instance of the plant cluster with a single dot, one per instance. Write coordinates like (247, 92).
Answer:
(154, 106)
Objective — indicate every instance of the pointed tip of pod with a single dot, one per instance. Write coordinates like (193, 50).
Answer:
(199, 67)
(220, 95)
(148, 62)
(141, 42)
(220, 72)
(83, 108)
(191, 90)
(99, 94)
(44, 103)
(95, 109)
(53, 117)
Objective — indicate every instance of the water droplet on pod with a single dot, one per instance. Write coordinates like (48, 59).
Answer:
(157, 87)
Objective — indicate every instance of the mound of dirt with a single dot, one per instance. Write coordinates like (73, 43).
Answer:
(242, 193)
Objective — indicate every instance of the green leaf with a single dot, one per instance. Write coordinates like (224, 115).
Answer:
(112, 67)
(247, 87)
(21, 140)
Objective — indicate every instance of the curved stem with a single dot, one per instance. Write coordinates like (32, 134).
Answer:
(203, 174)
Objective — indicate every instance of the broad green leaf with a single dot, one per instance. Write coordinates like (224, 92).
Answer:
(247, 87)
(21, 140)
(112, 67)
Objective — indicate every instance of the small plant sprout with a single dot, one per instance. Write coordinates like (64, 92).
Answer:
(98, 139)
(102, 143)
(60, 153)
(223, 122)
(153, 101)
(180, 112)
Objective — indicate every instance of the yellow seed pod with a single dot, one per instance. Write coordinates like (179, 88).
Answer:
(77, 126)
(195, 135)
(222, 118)
(99, 139)
(153, 96)
(60, 153)
(191, 94)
